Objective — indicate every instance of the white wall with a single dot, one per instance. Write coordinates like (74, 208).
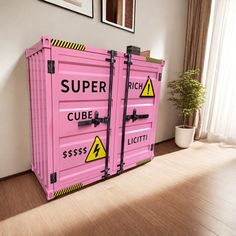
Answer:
(160, 26)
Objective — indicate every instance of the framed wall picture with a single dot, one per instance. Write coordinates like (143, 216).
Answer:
(84, 7)
(119, 13)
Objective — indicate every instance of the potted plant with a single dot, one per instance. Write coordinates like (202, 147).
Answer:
(188, 95)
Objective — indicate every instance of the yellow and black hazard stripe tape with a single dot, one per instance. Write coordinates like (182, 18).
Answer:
(143, 162)
(68, 190)
(65, 44)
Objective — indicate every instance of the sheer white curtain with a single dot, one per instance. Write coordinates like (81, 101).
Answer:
(219, 75)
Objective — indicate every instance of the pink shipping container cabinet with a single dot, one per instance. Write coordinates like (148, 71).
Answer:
(93, 112)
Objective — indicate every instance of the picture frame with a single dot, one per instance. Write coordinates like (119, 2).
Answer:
(121, 17)
(83, 7)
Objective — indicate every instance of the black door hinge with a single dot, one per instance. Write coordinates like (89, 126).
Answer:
(53, 178)
(152, 146)
(51, 66)
(159, 76)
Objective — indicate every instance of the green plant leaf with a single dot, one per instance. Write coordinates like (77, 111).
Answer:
(187, 94)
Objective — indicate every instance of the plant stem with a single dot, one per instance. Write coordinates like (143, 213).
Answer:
(184, 120)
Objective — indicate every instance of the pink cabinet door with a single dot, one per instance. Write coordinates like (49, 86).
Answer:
(141, 119)
(80, 87)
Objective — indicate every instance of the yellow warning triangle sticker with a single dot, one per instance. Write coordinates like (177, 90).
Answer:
(97, 151)
(148, 90)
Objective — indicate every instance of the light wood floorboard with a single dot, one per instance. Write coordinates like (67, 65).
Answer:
(183, 192)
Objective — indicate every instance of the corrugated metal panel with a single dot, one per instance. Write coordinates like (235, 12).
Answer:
(69, 106)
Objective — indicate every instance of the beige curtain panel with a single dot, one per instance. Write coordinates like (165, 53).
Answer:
(196, 38)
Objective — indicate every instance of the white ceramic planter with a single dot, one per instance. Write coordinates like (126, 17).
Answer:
(184, 136)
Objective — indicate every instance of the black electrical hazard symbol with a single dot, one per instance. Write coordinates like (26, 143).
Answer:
(97, 150)
(148, 90)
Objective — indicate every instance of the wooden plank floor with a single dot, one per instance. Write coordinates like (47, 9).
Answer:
(182, 192)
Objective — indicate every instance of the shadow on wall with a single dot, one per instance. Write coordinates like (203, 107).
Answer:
(168, 116)
(15, 120)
